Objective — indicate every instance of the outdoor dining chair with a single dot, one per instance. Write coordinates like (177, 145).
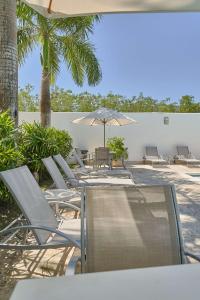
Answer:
(131, 227)
(80, 182)
(39, 217)
(113, 172)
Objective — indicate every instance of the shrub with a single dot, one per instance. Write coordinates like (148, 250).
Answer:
(10, 156)
(37, 142)
(116, 144)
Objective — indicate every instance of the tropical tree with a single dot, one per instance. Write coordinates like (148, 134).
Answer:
(188, 104)
(60, 39)
(27, 101)
(8, 57)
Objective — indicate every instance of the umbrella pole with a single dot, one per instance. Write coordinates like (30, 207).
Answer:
(104, 133)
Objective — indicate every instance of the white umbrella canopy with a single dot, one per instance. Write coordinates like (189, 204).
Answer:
(70, 8)
(104, 116)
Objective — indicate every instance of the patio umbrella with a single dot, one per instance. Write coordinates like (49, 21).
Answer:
(70, 8)
(104, 116)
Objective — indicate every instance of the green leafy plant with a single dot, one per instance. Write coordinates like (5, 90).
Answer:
(10, 156)
(116, 144)
(37, 142)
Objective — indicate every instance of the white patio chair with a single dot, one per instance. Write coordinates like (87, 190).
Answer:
(39, 217)
(76, 182)
(130, 227)
(185, 156)
(152, 156)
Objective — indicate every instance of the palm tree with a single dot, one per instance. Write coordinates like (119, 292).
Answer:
(8, 57)
(59, 39)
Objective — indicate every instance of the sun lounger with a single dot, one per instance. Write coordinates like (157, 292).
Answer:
(185, 156)
(76, 182)
(39, 217)
(152, 156)
(131, 227)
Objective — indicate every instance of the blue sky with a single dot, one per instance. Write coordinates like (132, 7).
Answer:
(157, 54)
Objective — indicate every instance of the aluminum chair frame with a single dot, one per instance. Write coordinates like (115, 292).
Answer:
(21, 180)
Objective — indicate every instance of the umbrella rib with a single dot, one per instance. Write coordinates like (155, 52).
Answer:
(92, 122)
(117, 122)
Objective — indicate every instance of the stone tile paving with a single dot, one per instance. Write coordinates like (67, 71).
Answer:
(53, 262)
(188, 197)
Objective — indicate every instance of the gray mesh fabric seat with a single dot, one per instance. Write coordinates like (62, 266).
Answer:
(102, 157)
(130, 227)
(152, 155)
(40, 218)
(62, 190)
(185, 156)
(76, 182)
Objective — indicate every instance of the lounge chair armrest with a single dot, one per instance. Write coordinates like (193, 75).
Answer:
(46, 228)
(71, 267)
(195, 257)
(67, 204)
(80, 172)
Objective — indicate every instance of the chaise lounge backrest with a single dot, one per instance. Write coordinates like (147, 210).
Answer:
(183, 150)
(131, 227)
(29, 197)
(152, 151)
(102, 156)
(78, 159)
(54, 173)
(64, 166)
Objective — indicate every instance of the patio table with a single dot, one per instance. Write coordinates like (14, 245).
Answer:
(159, 283)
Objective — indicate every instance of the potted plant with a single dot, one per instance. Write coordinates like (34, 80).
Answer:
(116, 145)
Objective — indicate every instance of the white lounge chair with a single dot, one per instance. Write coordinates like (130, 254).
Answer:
(39, 217)
(76, 182)
(130, 227)
(152, 156)
(185, 156)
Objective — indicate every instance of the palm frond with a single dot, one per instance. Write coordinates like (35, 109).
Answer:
(79, 55)
(26, 40)
(53, 60)
(67, 38)
(76, 25)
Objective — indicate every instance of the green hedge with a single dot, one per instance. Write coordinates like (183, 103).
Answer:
(28, 144)
(37, 142)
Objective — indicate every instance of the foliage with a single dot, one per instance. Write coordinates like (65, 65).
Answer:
(65, 100)
(27, 145)
(10, 156)
(37, 142)
(116, 144)
(188, 105)
(27, 101)
(65, 39)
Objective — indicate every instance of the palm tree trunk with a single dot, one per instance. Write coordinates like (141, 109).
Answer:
(8, 58)
(45, 100)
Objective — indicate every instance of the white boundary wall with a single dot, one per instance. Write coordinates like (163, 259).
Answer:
(183, 129)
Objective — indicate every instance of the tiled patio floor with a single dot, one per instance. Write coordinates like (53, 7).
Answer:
(53, 262)
(188, 197)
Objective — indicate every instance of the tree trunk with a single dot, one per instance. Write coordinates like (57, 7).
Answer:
(45, 100)
(8, 58)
